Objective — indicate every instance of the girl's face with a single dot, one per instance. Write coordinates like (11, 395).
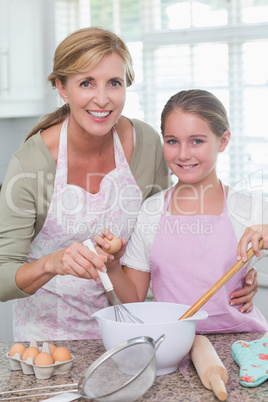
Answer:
(96, 97)
(190, 147)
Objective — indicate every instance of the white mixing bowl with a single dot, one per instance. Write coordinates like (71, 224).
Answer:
(159, 318)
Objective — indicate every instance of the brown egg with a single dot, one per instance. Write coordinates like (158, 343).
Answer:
(30, 352)
(61, 354)
(115, 245)
(51, 347)
(17, 348)
(43, 359)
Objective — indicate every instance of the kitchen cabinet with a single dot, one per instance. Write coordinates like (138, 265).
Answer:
(22, 76)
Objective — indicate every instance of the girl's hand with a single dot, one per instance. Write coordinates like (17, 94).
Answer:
(252, 235)
(79, 261)
(245, 296)
(101, 244)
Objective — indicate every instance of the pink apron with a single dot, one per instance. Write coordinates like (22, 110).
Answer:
(189, 254)
(62, 308)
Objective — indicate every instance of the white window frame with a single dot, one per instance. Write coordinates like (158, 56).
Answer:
(234, 35)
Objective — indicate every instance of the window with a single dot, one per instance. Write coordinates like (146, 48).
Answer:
(218, 45)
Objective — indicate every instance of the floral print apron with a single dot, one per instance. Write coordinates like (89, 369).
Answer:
(62, 308)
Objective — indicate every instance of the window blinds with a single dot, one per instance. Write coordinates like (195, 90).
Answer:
(219, 45)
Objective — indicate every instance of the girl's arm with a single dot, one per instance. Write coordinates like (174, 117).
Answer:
(130, 285)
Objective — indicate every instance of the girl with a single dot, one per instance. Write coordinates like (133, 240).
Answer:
(187, 237)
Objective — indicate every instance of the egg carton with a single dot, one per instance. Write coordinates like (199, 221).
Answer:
(41, 372)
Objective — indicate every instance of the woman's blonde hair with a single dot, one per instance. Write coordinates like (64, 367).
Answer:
(201, 103)
(78, 53)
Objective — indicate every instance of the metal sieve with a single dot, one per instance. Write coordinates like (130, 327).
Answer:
(123, 373)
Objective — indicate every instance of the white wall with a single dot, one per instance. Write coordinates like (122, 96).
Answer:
(13, 130)
(25, 94)
(12, 134)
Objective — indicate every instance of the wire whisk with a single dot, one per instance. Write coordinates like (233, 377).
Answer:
(122, 314)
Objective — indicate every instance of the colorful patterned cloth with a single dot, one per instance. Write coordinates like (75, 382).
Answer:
(252, 358)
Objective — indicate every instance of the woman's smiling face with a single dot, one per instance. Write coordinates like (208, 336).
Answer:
(96, 97)
(190, 147)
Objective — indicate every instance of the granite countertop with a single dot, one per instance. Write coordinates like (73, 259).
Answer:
(182, 385)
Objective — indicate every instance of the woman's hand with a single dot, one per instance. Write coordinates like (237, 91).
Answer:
(79, 261)
(246, 294)
(252, 235)
(101, 244)
(76, 260)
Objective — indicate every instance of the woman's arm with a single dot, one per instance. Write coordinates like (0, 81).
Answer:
(252, 235)
(21, 210)
(245, 209)
(75, 260)
(245, 295)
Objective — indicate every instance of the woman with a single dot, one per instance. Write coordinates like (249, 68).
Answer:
(83, 168)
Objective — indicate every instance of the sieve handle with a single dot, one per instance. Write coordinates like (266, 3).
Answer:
(159, 341)
(68, 397)
(107, 284)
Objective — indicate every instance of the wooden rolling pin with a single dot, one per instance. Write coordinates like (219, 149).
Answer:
(209, 366)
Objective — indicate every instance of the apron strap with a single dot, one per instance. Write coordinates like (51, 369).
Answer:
(170, 192)
(168, 198)
(224, 208)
